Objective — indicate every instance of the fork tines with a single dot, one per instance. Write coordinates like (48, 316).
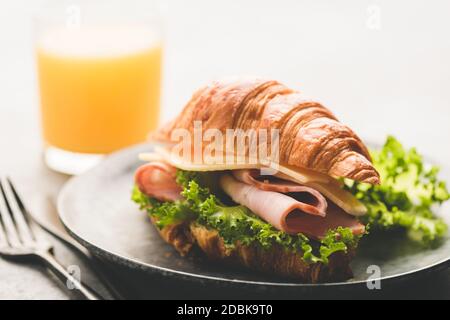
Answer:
(14, 224)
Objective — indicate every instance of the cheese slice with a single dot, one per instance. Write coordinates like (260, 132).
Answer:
(328, 186)
(341, 198)
(301, 175)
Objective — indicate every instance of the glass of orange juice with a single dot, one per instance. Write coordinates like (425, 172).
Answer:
(99, 72)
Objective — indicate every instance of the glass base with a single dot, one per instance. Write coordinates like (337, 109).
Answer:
(72, 163)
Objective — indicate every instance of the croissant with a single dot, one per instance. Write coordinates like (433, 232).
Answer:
(277, 261)
(311, 137)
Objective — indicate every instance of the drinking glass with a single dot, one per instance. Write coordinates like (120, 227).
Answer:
(99, 73)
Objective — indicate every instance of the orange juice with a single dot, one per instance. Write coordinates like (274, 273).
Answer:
(99, 88)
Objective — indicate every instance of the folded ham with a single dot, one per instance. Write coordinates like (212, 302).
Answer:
(307, 199)
(285, 212)
(286, 205)
(158, 180)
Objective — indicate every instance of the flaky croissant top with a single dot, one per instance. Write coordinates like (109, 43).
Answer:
(310, 135)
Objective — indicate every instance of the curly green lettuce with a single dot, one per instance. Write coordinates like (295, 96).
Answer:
(408, 193)
(237, 224)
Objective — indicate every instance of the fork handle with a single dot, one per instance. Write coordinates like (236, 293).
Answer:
(65, 276)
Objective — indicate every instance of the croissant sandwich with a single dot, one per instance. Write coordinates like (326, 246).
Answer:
(251, 173)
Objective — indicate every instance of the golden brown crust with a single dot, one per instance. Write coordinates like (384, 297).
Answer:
(274, 261)
(310, 135)
(178, 235)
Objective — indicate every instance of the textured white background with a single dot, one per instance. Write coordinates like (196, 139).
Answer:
(392, 79)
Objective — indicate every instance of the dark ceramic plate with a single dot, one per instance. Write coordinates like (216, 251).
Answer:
(97, 211)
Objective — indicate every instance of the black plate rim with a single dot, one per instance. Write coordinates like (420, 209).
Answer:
(147, 267)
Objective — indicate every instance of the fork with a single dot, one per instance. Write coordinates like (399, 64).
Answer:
(19, 241)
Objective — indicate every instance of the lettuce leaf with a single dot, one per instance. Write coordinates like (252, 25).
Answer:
(237, 224)
(166, 213)
(408, 193)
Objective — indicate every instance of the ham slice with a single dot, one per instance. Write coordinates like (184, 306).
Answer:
(309, 200)
(158, 180)
(285, 213)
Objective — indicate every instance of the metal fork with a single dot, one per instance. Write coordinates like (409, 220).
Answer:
(19, 241)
